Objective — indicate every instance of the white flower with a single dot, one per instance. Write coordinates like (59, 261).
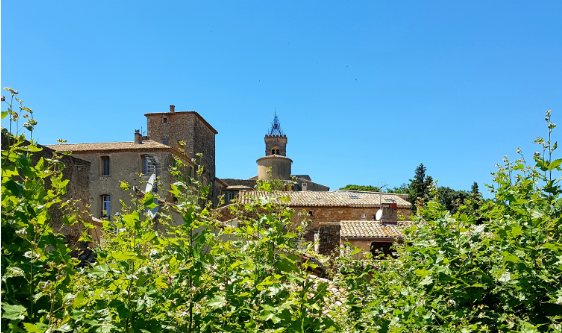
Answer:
(31, 255)
(22, 232)
(506, 277)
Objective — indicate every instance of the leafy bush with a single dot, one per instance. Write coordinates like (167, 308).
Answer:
(493, 266)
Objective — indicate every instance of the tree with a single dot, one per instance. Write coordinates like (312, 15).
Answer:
(474, 190)
(402, 189)
(419, 187)
(366, 188)
(451, 199)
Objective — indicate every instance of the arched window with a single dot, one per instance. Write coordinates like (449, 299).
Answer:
(273, 152)
(277, 151)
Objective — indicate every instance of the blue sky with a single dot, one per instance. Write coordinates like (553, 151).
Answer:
(365, 90)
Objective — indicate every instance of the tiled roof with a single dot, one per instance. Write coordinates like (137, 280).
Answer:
(372, 229)
(401, 195)
(82, 148)
(329, 199)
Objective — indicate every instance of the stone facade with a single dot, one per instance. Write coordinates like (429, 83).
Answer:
(280, 167)
(125, 161)
(304, 184)
(275, 145)
(198, 135)
(329, 235)
(336, 214)
(76, 171)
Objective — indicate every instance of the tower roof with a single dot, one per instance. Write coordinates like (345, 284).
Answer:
(275, 127)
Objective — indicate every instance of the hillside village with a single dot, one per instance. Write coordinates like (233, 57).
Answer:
(336, 217)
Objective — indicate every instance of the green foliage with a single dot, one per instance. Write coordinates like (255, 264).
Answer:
(453, 274)
(494, 265)
(402, 189)
(419, 188)
(36, 266)
(366, 188)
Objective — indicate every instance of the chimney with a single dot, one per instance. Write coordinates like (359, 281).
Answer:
(138, 137)
(172, 108)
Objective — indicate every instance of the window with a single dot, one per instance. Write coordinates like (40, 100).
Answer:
(229, 196)
(272, 151)
(105, 206)
(378, 248)
(165, 141)
(149, 165)
(277, 152)
(105, 165)
(165, 120)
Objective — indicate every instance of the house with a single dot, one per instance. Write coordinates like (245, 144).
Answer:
(172, 134)
(325, 208)
(376, 237)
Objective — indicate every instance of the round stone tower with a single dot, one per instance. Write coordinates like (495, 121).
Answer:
(275, 154)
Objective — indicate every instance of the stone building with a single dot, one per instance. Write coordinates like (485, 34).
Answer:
(274, 165)
(370, 236)
(322, 207)
(135, 161)
(114, 162)
(76, 171)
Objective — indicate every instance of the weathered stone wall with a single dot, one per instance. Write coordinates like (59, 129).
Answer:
(276, 142)
(251, 183)
(280, 168)
(77, 172)
(329, 238)
(124, 166)
(336, 214)
(310, 186)
(189, 128)
(316, 215)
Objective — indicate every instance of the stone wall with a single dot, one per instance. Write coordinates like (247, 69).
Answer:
(276, 142)
(280, 167)
(307, 185)
(124, 166)
(77, 172)
(329, 238)
(189, 127)
(251, 183)
(337, 214)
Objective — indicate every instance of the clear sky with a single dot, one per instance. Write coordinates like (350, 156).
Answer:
(364, 90)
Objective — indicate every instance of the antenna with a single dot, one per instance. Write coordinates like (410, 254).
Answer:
(378, 216)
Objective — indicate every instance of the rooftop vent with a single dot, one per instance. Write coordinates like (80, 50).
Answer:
(354, 197)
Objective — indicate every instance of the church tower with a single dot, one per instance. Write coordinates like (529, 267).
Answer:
(275, 154)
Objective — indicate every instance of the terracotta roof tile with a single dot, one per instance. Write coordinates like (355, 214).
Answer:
(330, 199)
(83, 148)
(372, 229)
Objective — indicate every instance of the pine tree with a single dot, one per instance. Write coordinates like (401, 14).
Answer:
(418, 187)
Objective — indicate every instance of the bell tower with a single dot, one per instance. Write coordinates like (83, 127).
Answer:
(275, 140)
(275, 154)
